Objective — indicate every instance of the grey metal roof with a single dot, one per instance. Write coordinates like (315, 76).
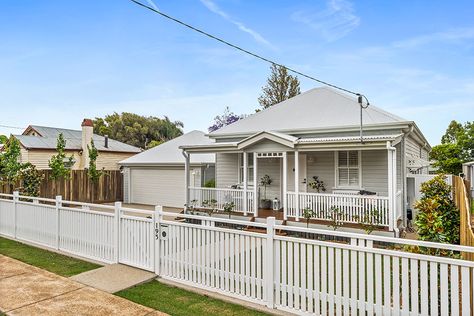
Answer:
(317, 108)
(49, 135)
(170, 152)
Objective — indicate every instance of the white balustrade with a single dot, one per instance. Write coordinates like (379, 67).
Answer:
(348, 208)
(202, 197)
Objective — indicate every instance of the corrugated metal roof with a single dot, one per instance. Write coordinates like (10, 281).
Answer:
(49, 135)
(347, 138)
(170, 153)
(314, 109)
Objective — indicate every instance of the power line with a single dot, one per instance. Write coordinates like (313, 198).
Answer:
(245, 51)
(8, 126)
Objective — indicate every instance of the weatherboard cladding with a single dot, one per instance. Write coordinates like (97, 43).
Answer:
(227, 169)
(320, 164)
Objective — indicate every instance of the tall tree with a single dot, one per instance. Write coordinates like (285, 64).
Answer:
(457, 147)
(92, 172)
(137, 130)
(10, 165)
(60, 164)
(280, 87)
(226, 118)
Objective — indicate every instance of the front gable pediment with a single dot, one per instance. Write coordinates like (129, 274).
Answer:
(279, 138)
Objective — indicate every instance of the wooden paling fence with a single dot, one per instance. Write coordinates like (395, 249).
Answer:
(460, 189)
(79, 187)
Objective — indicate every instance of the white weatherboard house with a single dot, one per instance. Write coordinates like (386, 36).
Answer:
(156, 176)
(315, 134)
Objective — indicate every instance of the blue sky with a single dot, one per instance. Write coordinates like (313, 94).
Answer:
(61, 61)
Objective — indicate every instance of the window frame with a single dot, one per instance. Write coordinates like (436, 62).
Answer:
(240, 168)
(337, 167)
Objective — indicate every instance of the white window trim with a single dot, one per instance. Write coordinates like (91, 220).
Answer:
(336, 171)
(240, 162)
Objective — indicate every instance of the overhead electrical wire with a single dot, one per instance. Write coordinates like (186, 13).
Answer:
(251, 53)
(8, 126)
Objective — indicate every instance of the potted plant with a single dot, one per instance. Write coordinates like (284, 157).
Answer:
(317, 185)
(265, 181)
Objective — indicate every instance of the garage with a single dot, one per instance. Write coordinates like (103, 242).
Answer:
(156, 176)
(157, 187)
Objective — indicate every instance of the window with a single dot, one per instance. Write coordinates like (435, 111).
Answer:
(249, 168)
(348, 168)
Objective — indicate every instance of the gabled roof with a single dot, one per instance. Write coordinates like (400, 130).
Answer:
(318, 108)
(48, 139)
(280, 138)
(169, 152)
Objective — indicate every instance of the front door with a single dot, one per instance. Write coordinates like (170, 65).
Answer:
(302, 173)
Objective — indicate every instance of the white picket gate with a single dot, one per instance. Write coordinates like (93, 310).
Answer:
(136, 238)
(294, 269)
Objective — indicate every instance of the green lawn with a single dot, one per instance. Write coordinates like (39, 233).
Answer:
(51, 261)
(176, 301)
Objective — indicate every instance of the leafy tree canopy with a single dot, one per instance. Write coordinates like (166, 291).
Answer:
(457, 147)
(92, 171)
(226, 118)
(438, 217)
(3, 139)
(280, 87)
(137, 130)
(10, 164)
(60, 164)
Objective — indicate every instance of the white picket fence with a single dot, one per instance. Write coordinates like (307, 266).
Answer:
(294, 269)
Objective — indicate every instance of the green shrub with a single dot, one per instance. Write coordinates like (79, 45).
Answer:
(438, 217)
(31, 180)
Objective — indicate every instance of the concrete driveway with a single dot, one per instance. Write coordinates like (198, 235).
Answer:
(27, 290)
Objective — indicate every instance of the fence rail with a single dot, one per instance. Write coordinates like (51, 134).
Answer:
(295, 269)
(351, 208)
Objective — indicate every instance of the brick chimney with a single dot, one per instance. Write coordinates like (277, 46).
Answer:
(87, 132)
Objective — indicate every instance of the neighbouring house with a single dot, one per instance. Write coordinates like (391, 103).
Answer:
(468, 171)
(316, 134)
(38, 145)
(156, 176)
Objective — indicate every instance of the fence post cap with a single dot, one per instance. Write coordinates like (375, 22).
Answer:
(16, 193)
(158, 208)
(59, 198)
(271, 220)
(118, 204)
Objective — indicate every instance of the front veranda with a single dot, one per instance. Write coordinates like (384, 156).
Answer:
(356, 185)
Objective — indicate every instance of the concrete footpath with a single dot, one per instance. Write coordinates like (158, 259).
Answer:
(114, 277)
(27, 290)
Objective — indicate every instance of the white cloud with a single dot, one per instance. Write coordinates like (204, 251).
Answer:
(215, 9)
(452, 35)
(332, 23)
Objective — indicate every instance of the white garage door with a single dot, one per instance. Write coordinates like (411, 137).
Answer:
(157, 187)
